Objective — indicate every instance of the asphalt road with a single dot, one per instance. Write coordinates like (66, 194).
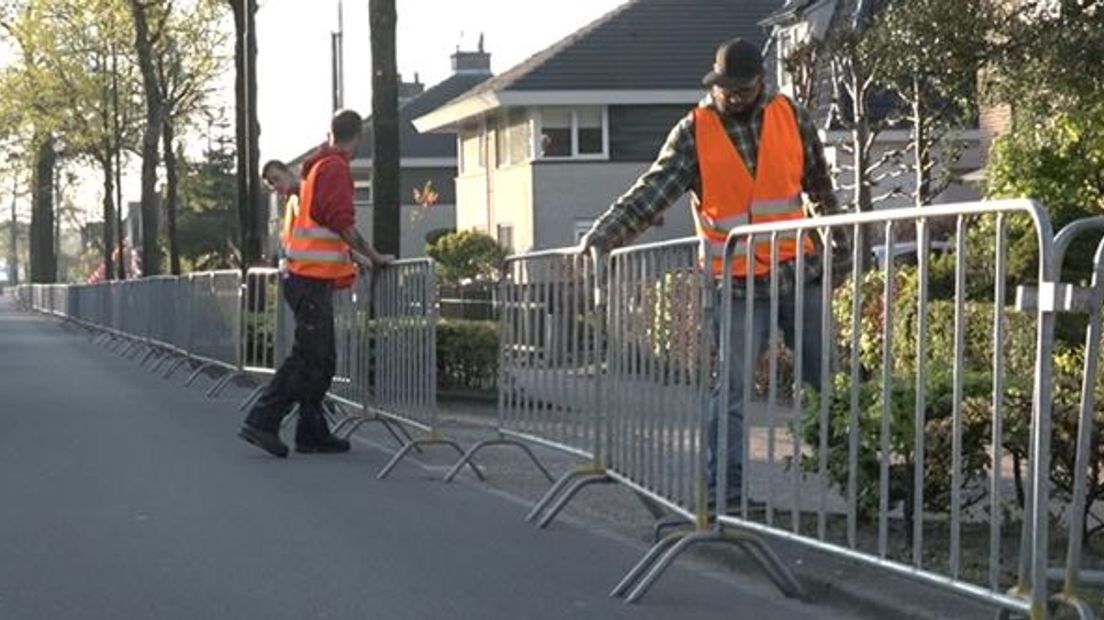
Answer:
(123, 495)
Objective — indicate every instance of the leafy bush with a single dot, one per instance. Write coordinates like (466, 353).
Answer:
(467, 355)
(467, 255)
(1018, 352)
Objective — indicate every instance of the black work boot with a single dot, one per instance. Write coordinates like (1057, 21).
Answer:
(312, 435)
(264, 439)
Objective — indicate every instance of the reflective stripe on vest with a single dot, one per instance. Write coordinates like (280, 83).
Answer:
(312, 250)
(731, 196)
(313, 232)
(322, 256)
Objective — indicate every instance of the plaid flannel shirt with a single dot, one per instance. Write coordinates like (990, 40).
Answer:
(676, 172)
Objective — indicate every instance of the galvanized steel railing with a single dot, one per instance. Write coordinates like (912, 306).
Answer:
(550, 365)
(616, 359)
(898, 441)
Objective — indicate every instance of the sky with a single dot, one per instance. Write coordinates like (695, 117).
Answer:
(293, 62)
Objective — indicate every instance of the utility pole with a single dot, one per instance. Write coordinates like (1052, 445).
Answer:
(337, 52)
(247, 130)
(385, 128)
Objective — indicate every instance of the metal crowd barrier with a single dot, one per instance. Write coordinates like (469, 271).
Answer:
(268, 327)
(403, 334)
(898, 458)
(216, 332)
(550, 367)
(1088, 300)
(618, 359)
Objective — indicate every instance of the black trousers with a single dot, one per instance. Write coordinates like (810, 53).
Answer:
(305, 376)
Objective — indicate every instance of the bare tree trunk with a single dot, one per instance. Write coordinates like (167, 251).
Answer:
(43, 258)
(108, 214)
(920, 159)
(240, 127)
(247, 129)
(386, 228)
(151, 139)
(860, 136)
(257, 223)
(117, 131)
(172, 183)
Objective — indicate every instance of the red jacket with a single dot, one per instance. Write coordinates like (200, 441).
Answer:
(333, 195)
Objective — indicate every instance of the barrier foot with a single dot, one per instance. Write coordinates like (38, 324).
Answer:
(351, 424)
(147, 357)
(218, 387)
(500, 441)
(669, 522)
(134, 354)
(568, 495)
(402, 431)
(121, 350)
(426, 442)
(552, 492)
(644, 564)
(653, 507)
(252, 398)
(195, 375)
(173, 367)
(1080, 608)
(771, 565)
(159, 360)
(156, 366)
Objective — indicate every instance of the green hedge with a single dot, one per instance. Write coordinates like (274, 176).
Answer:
(1018, 353)
(467, 355)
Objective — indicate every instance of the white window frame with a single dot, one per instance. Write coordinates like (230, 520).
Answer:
(502, 125)
(538, 131)
(508, 228)
(362, 184)
(581, 227)
(481, 163)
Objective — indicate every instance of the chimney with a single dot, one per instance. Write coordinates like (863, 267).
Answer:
(478, 61)
(410, 90)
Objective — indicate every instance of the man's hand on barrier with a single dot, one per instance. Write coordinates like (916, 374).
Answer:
(380, 261)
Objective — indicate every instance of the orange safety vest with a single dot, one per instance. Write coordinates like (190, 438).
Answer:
(731, 197)
(312, 250)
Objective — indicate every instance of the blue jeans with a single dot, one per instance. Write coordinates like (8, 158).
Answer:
(760, 335)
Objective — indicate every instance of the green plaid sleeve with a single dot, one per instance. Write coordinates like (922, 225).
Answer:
(671, 176)
(817, 179)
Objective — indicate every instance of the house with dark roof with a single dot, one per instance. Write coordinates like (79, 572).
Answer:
(427, 165)
(546, 146)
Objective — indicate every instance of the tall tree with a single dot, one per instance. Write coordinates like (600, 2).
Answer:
(81, 75)
(150, 17)
(248, 129)
(43, 253)
(188, 60)
(209, 238)
(35, 115)
(385, 128)
(932, 52)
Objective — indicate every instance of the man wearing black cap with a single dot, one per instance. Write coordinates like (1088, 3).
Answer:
(758, 158)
